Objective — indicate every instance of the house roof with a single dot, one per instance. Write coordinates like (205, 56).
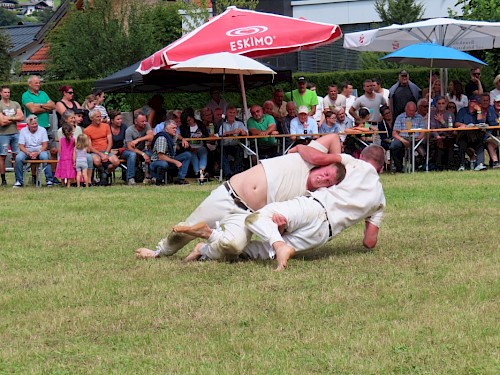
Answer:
(21, 35)
(36, 63)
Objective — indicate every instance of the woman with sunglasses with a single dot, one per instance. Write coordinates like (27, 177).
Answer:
(65, 103)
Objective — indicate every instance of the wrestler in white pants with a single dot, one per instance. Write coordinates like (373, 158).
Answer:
(308, 227)
(219, 206)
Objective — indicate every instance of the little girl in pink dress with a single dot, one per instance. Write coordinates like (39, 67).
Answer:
(65, 166)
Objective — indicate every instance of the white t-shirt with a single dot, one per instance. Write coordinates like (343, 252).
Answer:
(463, 102)
(287, 175)
(359, 196)
(33, 141)
(339, 102)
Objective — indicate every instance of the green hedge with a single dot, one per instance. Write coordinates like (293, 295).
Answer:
(127, 102)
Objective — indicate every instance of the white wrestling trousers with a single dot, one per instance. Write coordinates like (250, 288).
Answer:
(308, 227)
(217, 207)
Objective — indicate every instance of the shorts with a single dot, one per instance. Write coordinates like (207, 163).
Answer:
(7, 140)
(81, 166)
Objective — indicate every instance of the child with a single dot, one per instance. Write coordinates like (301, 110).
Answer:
(65, 169)
(80, 159)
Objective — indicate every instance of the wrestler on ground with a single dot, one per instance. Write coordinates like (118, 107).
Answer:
(272, 180)
(310, 221)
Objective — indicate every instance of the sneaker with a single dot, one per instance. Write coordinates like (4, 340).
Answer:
(17, 185)
(462, 168)
(50, 183)
(496, 164)
(472, 163)
(181, 181)
(4, 183)
(131, 181)
(55, 181)
(480, 167)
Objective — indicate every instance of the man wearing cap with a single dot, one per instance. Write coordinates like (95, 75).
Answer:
(303, 124)
(472, 114)
(303, 96)
(402, 92)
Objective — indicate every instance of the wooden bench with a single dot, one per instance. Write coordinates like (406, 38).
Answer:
(39, 168)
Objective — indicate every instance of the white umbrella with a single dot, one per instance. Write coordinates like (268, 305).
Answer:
(448, 32)
(225, 63)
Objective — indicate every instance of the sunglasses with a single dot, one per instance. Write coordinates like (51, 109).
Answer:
(70, 92)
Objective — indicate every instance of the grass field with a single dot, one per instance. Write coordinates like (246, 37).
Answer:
(425, 301)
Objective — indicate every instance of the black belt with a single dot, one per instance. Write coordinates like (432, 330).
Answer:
(237, 200)
(330, 234)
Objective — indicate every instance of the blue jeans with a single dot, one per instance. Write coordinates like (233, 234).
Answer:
(199, 159)
(21, 157)
(7, 140)
(131, 157)
(158, 165)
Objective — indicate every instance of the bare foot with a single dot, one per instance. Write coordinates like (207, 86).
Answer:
(195, 254)
(144, 253)
(283, 253)
(200, 230)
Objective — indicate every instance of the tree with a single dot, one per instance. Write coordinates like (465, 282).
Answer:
(42, 16)
(5, 59)
(399, 11)
(7, 17)
(482, 10)
(101, 39)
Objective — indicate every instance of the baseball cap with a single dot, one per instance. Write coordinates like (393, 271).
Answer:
(497, 98)
(301, 79)
(403, 73)
(475, 98)
(303, 109)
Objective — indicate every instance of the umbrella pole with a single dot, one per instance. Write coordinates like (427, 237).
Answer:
(244, 98)
(428, 123)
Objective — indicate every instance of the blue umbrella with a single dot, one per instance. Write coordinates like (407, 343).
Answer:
(433, 56)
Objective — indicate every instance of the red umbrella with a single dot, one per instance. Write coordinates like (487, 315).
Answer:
(246, 32)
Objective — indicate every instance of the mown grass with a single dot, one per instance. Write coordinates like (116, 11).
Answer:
(425, 301)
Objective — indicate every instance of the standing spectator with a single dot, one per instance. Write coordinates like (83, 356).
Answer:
(9, 135)
(66, 102)
(496, 91)
(318, 116)
(303, 96)
(80, 158)
(87, 106)
(154, 111)
(279, 105)
(334, 101)
(330, 125)
(474, 86)
(135, 142)
(165, 157)
(456, 95)
(33, 144)
(264, 125)
(303, 124)
(377, 87)
(65, 167)
(232, 158)
(401, 93)
(100, 145)
(370, 100)
(349, 98)
(99, 104)
(291, 113)
(216, 101)
(37, 102)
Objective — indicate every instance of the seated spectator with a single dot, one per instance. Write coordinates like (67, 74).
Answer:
(216, 101)
(154, 111)
(435, 92)
(33, 144)
(279, 106)
(452, 108)
(284, 127)
(101, 142)
(171, 115)
(490, 118)
(303, 124)
(164, 156)
(87, 106)
(117, 132)
(232, 158)
(344, 123)
(136, 137)
(441, 143)
(407, 120)
(263, 125)
(423, 109)
(357, 133)
(385, 126)
(190, 128)
(496, 133)
(496, 91)
(330, 125)
(213, 157)
(456, 95)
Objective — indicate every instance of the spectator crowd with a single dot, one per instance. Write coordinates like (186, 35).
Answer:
(91, 141)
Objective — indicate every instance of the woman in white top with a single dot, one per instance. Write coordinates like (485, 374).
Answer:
(456, 94)
(496, 91)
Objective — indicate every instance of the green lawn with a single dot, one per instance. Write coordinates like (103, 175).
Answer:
(425, 301)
